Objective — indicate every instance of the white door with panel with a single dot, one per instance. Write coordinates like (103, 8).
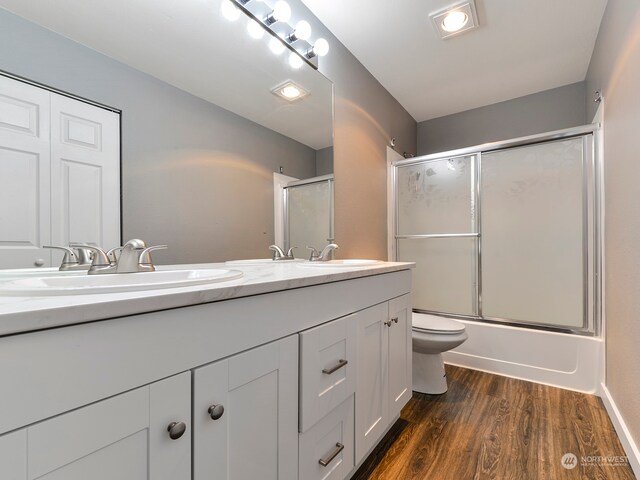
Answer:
(400, 354)
(59, 174)
(25, 217)
(139, 435)
(245, 412)
(85, 173)
(384, 369)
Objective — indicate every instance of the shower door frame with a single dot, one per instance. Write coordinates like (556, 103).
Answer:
(591, 224)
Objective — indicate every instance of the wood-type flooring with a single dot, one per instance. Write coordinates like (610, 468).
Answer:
(492, 427)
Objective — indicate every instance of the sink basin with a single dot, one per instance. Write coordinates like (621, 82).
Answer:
(14, 273)
(260, 261)
(112, 283)
(340, 263)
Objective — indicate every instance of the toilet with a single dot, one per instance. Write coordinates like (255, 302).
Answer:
(433, 335)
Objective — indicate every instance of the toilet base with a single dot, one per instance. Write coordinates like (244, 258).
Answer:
(428, 373)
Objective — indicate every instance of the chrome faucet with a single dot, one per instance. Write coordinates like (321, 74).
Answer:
(278, 253)
(324, 255)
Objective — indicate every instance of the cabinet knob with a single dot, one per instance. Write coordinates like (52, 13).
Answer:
(39, 262)
(388, 323)
(394, 319)
(216, 411)
(176, 430)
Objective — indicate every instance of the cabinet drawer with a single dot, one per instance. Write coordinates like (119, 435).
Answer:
(327, 449)
(327, 368)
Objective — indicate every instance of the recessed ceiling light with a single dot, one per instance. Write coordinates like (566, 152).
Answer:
(290, 91)
(456, 18)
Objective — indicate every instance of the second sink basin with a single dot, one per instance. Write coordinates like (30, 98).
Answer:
(113, 283)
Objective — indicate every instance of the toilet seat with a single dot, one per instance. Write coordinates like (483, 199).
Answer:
(422, 322)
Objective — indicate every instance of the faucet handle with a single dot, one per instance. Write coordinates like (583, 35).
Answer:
(314, 253)
(290, 252)
(111, 254)
(145, 255)
(70, 257)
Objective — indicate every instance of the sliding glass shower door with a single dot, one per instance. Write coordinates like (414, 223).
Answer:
(502, 235)
(437, 228)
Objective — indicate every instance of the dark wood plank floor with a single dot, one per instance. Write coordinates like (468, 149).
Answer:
(492, 427)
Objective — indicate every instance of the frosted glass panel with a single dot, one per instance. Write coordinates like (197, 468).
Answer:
(436, 197)
(444, 277)
(532, 224)
(309, 216)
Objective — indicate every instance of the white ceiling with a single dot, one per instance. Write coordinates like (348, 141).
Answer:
(521, 47)
(188, 44)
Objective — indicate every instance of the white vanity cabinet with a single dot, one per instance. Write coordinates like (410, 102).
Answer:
(245, 415)
(141, 434)
(383, 384)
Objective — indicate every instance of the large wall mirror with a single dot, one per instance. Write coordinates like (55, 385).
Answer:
(202, 128)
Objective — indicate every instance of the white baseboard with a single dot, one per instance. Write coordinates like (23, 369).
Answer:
(629, 445)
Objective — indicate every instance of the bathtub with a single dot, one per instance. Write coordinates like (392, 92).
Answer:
(558, 359)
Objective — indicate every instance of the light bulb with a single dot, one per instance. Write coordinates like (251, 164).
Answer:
(255, 29)
(454, 21)
(291, 91)
(303, 30)
(321, 47)
(229, 10)
(281, 12)
(294, 60)
(276, 46)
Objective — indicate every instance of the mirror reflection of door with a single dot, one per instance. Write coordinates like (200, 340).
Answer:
(309, 214)
(59, 174)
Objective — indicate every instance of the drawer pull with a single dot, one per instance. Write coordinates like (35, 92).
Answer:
(329, 458)
(176, 430)
(340, 364)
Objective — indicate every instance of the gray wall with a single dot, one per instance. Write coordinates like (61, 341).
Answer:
(540, 112)
(366, 117)
(195, 176)
(324, 161)
(615, 70)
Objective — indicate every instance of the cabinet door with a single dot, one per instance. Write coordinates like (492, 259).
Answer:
(13, 455)
(400, 352)
(124, 437)
(24, 175)
(85, 173)
(245, 412)
(327, 368)
(371, 383)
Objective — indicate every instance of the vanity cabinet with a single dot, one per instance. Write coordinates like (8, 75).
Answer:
(293, 384)
(384, 382)
(141, 434)
(245, 415)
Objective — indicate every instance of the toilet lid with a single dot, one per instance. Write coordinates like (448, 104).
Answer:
(435, 324)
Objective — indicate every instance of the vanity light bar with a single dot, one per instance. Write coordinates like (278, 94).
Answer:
(274, 21)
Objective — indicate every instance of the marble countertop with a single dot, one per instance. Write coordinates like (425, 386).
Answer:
(24, 314)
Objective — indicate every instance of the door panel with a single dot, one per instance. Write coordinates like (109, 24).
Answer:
(123, 437)
(13, 455)
(257, 435)
(85, 173)
(24, 175)
(372, 377)
(400, 354)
